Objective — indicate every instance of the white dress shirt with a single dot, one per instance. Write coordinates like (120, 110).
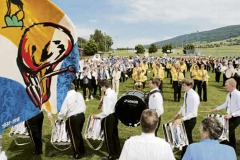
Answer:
(232, 105)
(3, 155)
(156, 102)
(190, 106)
(109, 102)
(88, 74)
(73, 104)
(146, 147)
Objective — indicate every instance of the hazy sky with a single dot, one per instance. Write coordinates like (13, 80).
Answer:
(132, 22)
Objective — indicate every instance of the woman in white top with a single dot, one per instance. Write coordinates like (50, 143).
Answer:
(116, 74)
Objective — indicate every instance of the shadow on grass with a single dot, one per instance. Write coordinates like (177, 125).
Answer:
(21, 152)
(52, 152)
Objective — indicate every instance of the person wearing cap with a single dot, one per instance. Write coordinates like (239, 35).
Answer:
(73, 108)
(209, 148)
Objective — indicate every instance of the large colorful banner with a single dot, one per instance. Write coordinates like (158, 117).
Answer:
(39, 59)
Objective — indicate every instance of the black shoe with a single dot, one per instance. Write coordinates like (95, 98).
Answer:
(105, 158)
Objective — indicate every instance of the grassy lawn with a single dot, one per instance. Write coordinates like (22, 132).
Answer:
(214, 52)
(216, 96)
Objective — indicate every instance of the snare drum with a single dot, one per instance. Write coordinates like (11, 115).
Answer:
(60, 138)
(228, 73)
(175, 135)
(225, 124)
(59, 133)
(94, 132)
(20, 131)
(129, 108)
(93, 129)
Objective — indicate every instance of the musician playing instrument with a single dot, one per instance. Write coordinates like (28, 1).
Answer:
(209, 148)
(202, 83)
(183, 67)
(237, 76)
(146, 146)
(228, 72)
(136, 69)
(109, 121)
(177, 77)
(168, 69)
(194, 75)
(139, 79)
(159, 73)
(73, 108)
(155, 100)
(144, 67)
(102, 74)
(86, 83)
(232, 106)
(189, 110)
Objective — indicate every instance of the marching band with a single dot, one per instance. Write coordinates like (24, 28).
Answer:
(116, 70)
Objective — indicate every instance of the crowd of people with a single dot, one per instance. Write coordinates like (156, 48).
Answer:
(119, 69)
(99, 75)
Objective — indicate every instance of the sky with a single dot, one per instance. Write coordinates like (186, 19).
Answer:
(132, 22)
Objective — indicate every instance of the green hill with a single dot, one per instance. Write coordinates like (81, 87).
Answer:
(214, 35)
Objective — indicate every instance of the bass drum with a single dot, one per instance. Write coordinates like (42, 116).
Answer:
(129, 108)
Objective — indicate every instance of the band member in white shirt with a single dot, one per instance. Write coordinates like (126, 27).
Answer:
(217, 67)
(147, 146)
(232, 106)
(86, 83)
(189, 110)
(116, 75)
(73, 108)
(155, 100)
(109, 121)
(102, 73)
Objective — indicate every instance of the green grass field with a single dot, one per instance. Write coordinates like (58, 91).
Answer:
(216, 96)
(214, 52)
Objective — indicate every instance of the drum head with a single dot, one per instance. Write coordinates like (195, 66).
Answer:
(129, 108)
(228, 73)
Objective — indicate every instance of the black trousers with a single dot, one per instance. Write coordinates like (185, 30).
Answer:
(85, 87)
(189, 126)
(110, 126)
(233, 124)
(217, 76)
(159, 122)
(177, 90)
(34, 126)
(74, 126)
(195, 81)
(168, 73)
(160, 87)
(202, 87)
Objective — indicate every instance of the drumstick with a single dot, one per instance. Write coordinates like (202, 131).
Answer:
(171, 120)
(205, 111)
